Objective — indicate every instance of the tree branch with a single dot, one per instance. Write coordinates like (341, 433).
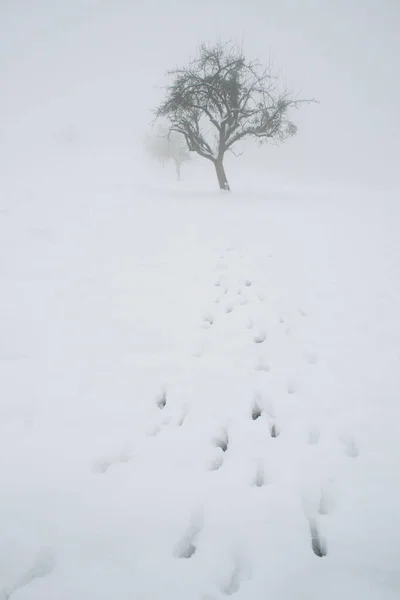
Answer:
(235, 96)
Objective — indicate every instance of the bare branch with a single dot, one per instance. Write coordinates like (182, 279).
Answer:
(238, 98)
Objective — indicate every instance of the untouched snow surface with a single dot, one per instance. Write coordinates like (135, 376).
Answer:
(199, 392)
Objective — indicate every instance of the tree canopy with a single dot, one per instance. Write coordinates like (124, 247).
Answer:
(165, 145)
(221, 98)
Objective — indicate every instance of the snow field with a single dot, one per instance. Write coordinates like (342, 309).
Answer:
(199, 397)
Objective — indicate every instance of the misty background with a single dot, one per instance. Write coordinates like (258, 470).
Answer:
(183, 368)
(93, 70)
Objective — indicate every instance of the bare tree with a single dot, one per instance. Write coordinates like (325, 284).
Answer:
(165, 145)
(221, 98)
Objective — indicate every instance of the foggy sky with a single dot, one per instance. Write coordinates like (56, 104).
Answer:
(99, 65)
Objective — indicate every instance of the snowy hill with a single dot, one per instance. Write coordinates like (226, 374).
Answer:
(199, 391)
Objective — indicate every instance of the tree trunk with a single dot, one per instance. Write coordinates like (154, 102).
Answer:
(178, 170)
(221, 175)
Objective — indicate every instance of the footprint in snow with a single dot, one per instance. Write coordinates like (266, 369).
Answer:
(187, 546)
(256, 410)
(222, 441)
(125, 455)
(185, 549)
(101, 465)
(262, 365)
(232, 584)
(243, 301)
(217, 462)
(318, 544)
(250, 324)
(208, 320)
(274, 430)
(247, 282)
(313, 436)
(291, 388)
(302, 312)
(259, 479)
(161, 400)
(325, 506)
(44, 565)
(154, 431)
(183, 416)
(260, 337)
(311, 358)
(351, 448)
(229, 309)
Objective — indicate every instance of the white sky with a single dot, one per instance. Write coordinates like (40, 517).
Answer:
(97, 64)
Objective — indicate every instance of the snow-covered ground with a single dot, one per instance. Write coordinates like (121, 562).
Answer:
(199, 392)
